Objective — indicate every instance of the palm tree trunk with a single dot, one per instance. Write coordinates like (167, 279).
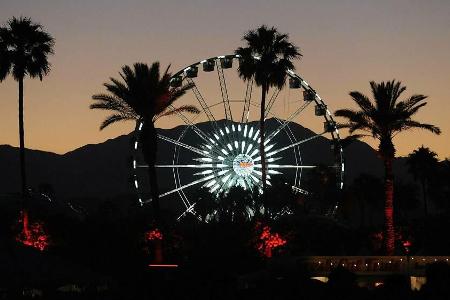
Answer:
(149, 147)
(22, 141)
(389, 238)
(261, 144)
(424, 195)
(23, 175)
(362, 207)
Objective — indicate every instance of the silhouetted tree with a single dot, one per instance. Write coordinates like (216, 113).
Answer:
(423, 165)
(24, 48)
(144, 95)
(321, 184)
(265, 59)
(360, 187)
(383, 118)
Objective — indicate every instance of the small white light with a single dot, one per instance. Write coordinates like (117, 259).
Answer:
(269, 147)
(222, 172)
(250, 133)
(250, 146)
(256, 135)
(224, 180)
(215, 188)
(211, 183)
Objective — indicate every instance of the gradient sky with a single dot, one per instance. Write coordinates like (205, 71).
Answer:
(345, 45)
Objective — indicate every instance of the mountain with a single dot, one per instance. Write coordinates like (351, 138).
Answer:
(104, 170)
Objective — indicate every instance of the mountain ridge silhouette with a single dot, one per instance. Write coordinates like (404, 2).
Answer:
(104, 170)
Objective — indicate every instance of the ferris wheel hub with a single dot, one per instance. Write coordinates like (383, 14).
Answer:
(243, 165)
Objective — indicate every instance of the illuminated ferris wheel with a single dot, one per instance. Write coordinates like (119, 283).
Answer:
(219, 148)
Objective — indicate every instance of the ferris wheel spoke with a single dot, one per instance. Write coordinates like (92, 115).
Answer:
(187, 185)
(224, 91)
(203, 103)
(178, 143)
(197, 130)
(288, 120)
(248, 96)
(190, 166)
(189, 209)
(271, 102)
(274, 166)
(295, 144)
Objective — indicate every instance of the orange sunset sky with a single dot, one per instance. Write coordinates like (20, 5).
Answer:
(345, 45)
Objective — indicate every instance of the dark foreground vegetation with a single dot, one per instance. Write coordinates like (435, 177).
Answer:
(105, 252)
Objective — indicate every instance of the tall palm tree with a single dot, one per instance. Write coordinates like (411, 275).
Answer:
(146, 95)
(423, 164)
(24, 51)
(266, 57)
(383, 118)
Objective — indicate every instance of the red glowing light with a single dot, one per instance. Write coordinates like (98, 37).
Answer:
(269, 241)
(153, 234)
(32, 235)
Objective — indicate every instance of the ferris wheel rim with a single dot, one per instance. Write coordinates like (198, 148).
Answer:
(291, 74)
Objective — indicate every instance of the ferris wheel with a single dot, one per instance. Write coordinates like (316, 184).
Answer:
(219, 148)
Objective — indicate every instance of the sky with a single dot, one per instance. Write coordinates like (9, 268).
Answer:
(345, 44)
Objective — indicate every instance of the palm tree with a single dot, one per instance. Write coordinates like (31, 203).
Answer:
(266, 57)
(24, 48)
(143, 95)
(383, 118)
(423, 164)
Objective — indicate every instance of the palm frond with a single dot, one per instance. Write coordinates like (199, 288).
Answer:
(363, 101)
(185, 108)
(411, 102)
(113, 119)
(410, 124)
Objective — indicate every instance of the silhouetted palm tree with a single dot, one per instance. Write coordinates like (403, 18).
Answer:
(24, 48)
(383, 118)
(423, 165)
(143, 95)
(266, 58)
